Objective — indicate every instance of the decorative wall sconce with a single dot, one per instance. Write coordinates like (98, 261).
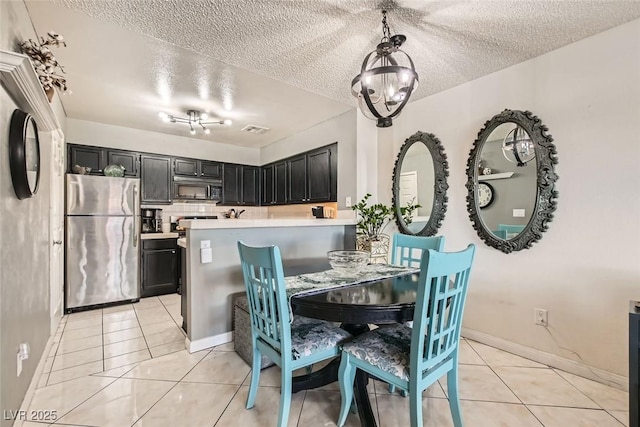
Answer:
(387, 79)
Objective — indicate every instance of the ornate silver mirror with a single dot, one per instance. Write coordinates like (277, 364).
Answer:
(420, 179)
(511, 181)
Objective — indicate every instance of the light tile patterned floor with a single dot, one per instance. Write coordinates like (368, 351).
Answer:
(127, 366)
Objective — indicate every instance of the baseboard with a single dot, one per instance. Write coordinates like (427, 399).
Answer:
(605, 377)
(208, 342)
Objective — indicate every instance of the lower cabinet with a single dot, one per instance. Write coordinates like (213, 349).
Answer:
(159, 275)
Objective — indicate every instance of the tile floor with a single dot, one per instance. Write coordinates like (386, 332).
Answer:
(127, 366)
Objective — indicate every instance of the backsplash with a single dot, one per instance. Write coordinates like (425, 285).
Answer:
(250, 212)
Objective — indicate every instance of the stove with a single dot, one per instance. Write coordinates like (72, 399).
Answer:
(181, 231)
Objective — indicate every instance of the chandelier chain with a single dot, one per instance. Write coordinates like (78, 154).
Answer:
(386, 33)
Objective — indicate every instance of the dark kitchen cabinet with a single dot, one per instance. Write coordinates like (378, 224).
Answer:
(268, 184)
(211, 170)
(231, 186)
(82, 155)
(321, 174)
(197, 168)
(274, 184)
(185, 167)
(155, 177)
(159, 275)
(250, 185)
(240, 185)
(297, 179)
(312, 176)
(128, 159)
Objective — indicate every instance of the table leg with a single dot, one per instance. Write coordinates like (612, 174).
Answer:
(362, 400)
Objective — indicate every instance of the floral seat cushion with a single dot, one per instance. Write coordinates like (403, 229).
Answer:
(386, 348)
(309, 336)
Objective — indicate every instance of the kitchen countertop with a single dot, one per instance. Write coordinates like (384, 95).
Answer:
(204, 224)
(182, 242)
(148, 236)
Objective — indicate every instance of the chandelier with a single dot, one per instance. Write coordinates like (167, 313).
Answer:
(518, 147)
(387, 79)
(195, 118)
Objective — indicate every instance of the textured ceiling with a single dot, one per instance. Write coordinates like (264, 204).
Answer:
(288, 64)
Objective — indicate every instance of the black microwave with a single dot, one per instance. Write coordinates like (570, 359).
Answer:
(196, 190)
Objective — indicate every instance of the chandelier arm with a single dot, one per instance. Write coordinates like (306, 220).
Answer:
(217, 122)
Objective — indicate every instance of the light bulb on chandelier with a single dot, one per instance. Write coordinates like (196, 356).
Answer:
(195, 117)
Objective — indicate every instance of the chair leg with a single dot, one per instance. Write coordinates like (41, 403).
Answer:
(415, 405)
(346, 376)
(392, 388)
(285, 396)
(454, 400)
(255, 377)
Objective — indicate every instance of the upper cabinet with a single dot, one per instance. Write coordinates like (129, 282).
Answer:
(197, 168)
(93, 157)
(97, 158)
(322, 166)
(274, 183)
(156, 179)
(241, 185)
(128, 159)
(312, 176)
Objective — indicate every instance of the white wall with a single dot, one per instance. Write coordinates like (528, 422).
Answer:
(24, 242)
(586, 268)
(341, 129)
(102, 135)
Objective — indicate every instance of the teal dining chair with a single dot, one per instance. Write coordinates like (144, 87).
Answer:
(414, 358)
(511, 229)
(406, 249)
(290, 344)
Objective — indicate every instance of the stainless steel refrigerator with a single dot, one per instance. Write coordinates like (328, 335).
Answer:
(103, 235)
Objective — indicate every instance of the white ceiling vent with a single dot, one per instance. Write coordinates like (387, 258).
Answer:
(255, 129)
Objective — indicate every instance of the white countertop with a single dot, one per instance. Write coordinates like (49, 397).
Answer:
(182, 242)
(204, 224)
(148, 236)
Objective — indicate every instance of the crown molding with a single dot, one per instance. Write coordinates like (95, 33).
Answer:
(21, 82)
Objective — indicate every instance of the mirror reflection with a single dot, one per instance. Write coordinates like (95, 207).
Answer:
(32, 154)
(416, 186)
(420, 185)
(506, 190)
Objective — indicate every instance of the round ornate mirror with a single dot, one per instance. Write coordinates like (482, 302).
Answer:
(420, 185)
(24, 154)
(510, 181)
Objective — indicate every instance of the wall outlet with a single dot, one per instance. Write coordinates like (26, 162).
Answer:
(541, 317)
(23, 354)
(347, 202)
(518, 213)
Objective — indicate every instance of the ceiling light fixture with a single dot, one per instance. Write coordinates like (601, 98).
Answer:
(195, 118)
(387, 79)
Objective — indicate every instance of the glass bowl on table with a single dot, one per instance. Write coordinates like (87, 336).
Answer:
(348, 263)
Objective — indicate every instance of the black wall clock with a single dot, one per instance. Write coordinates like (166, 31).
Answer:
(485, 194)
(24, 154)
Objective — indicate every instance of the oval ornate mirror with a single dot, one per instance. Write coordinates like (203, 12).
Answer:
(420, 180)
(511, 181)
(24, 154)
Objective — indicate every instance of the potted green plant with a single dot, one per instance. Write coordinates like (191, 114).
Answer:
(372, 221)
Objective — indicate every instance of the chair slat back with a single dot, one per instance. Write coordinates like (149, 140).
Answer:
(407, 250)
(442, 291)
(266, 295)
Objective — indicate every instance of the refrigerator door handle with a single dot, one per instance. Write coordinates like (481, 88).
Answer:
(136, 217)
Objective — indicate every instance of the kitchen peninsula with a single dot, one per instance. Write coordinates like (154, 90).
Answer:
(211, 286)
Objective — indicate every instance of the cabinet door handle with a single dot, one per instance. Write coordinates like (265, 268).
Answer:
(173, 252)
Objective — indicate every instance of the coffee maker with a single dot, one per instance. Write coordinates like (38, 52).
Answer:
(151, 220)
